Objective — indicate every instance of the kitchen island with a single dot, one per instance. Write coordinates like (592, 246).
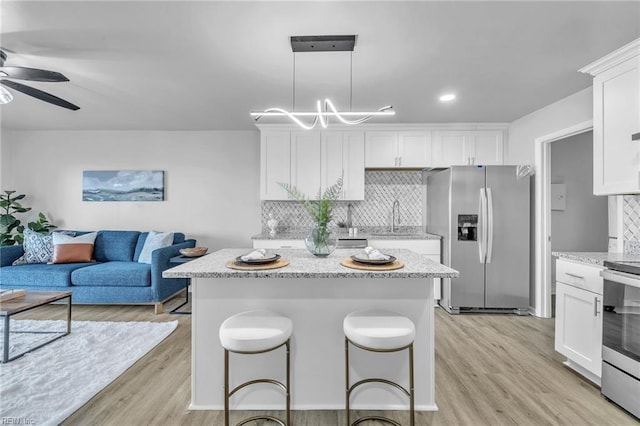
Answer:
(316, 293)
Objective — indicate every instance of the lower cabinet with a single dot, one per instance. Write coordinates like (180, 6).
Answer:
(578, 334)
(279, 244)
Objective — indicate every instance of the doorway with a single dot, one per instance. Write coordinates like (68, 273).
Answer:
(579, 219)
(541, 294)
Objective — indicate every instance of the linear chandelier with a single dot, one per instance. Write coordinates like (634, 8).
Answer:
(323, 110)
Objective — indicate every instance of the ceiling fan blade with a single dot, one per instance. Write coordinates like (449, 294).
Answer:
(39, 94)
(33, 74)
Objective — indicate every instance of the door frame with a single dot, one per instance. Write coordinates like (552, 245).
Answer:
(542, 157)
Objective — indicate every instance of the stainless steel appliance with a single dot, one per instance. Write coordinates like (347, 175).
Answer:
(482, 213)
(621, 335)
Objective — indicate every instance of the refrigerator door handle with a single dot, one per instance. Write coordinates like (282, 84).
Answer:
(482, 238)
(489, 224)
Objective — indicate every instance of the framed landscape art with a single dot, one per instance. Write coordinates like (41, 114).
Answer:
(123, 185)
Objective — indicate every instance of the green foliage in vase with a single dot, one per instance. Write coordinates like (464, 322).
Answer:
(11, 228)
(321, 208)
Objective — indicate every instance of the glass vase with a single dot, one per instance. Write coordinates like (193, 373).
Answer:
(321, 240)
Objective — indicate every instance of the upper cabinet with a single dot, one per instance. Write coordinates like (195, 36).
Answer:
(342, 154)
(311, 161)
(616, 119)
(305, 162)
(468, 147)
(398, 149)
(275, 164)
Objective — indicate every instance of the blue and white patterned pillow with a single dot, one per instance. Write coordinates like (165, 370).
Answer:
(38, 248)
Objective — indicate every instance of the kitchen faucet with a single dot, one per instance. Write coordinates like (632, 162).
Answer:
(393, 215)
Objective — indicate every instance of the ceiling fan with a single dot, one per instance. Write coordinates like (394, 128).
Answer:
(32, 74)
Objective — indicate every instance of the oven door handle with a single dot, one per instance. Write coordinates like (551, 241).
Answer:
(621, 277)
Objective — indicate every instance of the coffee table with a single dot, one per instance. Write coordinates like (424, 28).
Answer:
(31, 300)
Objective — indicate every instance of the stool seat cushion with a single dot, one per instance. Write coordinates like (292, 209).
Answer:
(255, 331)
(379, 329)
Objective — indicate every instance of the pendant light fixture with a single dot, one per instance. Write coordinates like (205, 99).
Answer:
(324, 110)
(5, 96)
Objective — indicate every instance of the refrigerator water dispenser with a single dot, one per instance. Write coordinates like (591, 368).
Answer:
(467, 227)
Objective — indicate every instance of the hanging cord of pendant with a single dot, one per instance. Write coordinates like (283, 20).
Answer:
(351, 81)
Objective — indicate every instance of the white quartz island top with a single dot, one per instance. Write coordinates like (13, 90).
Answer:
(303, 264)
(316, 294)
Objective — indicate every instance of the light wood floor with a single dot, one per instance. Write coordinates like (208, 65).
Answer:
(490, 370)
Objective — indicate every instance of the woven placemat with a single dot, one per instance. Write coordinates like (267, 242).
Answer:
(350, 263)
(280, 263)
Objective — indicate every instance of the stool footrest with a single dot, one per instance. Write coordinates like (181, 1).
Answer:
(271, 418)
(377, 418)
(378, 380)
(253, 382)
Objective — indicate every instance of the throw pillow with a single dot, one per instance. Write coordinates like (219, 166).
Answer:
(154, 241)
(38, 248)
(68, 249)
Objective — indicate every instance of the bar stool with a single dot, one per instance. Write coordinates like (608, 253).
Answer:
(255, 332)
(379, 331)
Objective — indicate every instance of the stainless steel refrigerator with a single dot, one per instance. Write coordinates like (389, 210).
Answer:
(482, 213)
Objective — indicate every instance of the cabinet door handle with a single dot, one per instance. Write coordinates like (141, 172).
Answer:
(595, 306)
(635, 137)
(580, 277)
(399, 161)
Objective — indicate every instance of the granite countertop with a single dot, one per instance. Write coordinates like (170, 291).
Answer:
(382, 235)
(304, 265)
(596, 258)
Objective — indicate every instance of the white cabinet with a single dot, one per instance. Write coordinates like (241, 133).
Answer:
(466, 147)
(342, 154)
(311, 161)
(616, 118)
(305, 162)
(430, 248)
(275, 164)
(398, 149)
(578, 334)
(278, 244)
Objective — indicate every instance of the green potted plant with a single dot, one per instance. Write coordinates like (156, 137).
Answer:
(321, 240)
(11, 228)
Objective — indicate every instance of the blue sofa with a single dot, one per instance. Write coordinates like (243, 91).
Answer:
(115, 277)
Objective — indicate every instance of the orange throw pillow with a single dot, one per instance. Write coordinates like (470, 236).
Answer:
(68, 249)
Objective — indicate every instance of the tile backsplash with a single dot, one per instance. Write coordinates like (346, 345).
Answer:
(381, 188)
(631, 223)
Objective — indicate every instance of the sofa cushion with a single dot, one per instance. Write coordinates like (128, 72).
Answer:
(154, 241)
(68, 249)
(113, 274)
(178, 238)
(115, 245)
(38, 248)
(40, 274)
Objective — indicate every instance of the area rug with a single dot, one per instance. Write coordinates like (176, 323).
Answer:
(46, 386)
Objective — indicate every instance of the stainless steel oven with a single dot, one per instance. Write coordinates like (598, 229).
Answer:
(621, 335)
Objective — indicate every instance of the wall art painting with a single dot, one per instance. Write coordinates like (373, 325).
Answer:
(123, 185)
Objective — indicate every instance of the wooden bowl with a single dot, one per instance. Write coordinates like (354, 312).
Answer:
(193, 252)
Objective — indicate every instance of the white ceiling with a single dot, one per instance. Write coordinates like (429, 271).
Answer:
(204, 65)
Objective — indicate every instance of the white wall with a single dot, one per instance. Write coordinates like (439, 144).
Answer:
(5, 158)
(559, 115)
(211, 180)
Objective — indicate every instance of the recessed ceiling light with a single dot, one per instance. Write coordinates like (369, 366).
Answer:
(448, 97)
